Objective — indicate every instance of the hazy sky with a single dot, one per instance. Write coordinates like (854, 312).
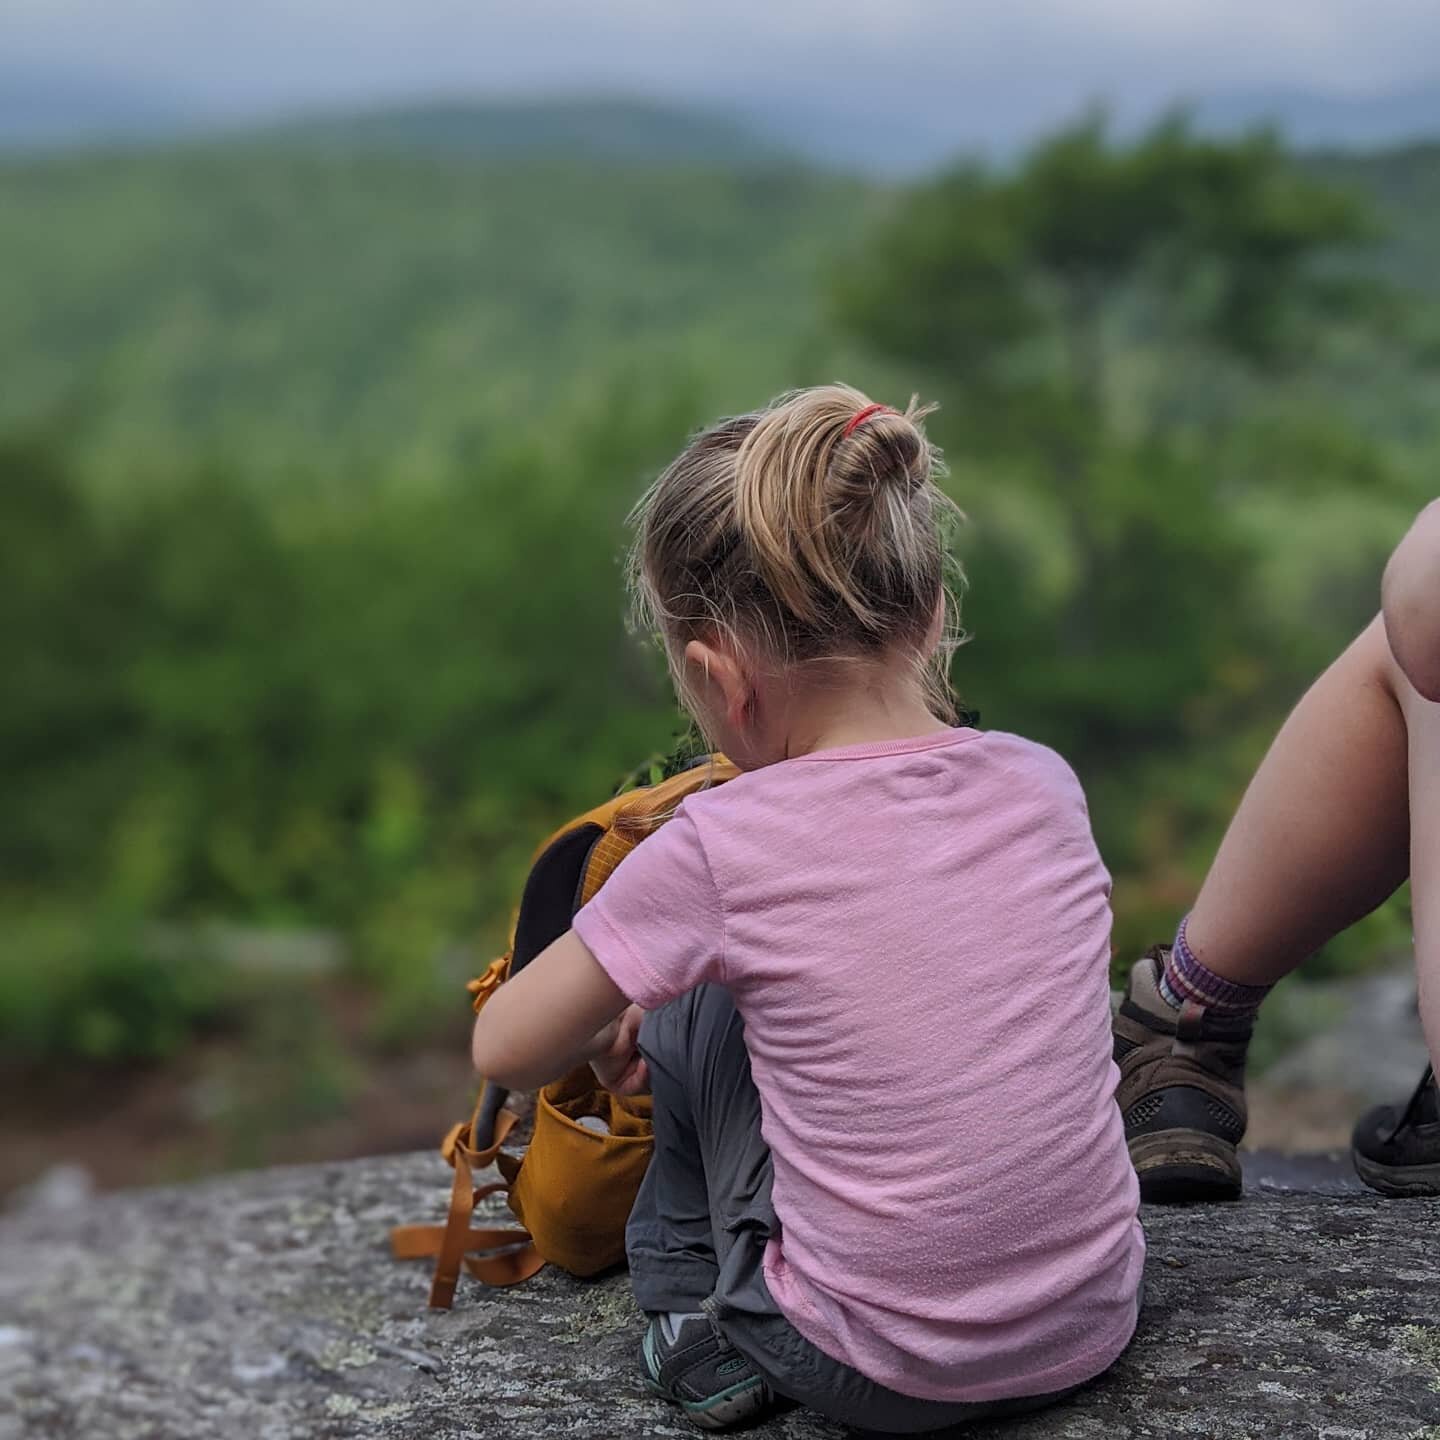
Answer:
(973, 68)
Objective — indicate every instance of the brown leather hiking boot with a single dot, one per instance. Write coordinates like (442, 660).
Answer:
(1181, 1091)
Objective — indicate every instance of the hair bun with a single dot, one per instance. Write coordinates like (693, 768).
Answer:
(889, 450)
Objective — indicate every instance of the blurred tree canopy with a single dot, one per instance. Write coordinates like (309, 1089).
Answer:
(357, 711)
(1017, 290)
(313, 497)
(1016, 284)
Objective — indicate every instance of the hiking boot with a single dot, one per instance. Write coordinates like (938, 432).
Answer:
(701, 1371)
(1181, 1091)
(1396, 1148)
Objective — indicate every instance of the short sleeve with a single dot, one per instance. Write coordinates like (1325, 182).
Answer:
(656, 925)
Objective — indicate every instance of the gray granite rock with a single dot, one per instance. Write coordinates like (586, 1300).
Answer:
(266, 1306)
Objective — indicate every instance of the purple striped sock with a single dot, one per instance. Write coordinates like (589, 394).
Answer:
(1185, 978)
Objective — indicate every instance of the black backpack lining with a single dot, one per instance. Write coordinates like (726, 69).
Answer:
(552, 893)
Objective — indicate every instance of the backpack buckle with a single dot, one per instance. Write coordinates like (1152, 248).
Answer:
(484, 986)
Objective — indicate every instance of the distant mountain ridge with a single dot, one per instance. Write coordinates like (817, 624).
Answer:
(1340, 122)
(43, 110)
(625, 130)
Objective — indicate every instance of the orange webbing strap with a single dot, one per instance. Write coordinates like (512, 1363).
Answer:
(454, 1243)
(514, 1257)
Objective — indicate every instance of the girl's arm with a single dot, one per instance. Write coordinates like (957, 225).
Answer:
(556, 1013)
(1411, 594)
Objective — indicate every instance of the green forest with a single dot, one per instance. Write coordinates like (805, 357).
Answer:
(316, 447)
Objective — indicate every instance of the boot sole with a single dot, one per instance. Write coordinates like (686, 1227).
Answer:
(1185, 1167)
(1398, 1181)
(741, 1403)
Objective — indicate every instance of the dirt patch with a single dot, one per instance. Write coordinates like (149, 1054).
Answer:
(281, 1089)
(1288, 1119)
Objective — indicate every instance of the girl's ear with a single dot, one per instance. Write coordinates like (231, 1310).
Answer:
(713, 673)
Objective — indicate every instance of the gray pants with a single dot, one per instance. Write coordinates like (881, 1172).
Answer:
(697, 1234)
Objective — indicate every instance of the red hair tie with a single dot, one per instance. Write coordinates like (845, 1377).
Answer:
(861, 416)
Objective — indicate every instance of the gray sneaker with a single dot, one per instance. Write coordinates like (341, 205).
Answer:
(700, 1371)
(1181, 1091)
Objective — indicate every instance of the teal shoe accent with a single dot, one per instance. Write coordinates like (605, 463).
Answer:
(714, 1385)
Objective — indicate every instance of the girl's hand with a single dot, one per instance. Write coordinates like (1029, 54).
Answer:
(614, 1058)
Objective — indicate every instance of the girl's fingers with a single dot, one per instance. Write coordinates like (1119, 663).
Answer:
(630, 1024)
(630, 1076)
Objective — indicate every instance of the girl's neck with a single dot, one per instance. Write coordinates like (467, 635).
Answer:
(828, 719)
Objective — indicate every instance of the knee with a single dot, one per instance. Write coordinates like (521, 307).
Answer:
(1411, 602)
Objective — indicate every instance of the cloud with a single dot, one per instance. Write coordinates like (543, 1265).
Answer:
(963, 67)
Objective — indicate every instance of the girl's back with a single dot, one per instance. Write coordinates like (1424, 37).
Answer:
(916, 935)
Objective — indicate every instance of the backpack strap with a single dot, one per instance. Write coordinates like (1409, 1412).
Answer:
(629, 818)
(508, 1255)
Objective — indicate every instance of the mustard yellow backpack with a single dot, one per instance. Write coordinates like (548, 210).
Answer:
(573, 1187)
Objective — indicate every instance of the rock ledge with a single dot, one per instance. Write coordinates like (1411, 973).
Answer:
(266, 1305)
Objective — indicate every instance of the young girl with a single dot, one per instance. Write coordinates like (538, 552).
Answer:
(1345, 806)
(890, 1180)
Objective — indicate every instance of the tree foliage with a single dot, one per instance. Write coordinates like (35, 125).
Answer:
(1020, 291)
(308, 593)
(1012, 281)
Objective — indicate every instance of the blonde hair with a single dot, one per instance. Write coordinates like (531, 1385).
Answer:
(808, 532)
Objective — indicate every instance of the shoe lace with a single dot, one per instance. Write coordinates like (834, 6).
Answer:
(1412, 1106)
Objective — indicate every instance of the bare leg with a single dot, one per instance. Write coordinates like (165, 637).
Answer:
(1323, 834)
(1322, 837)
(1422, 719)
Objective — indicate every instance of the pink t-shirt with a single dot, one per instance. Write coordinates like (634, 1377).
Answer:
(917, 937)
